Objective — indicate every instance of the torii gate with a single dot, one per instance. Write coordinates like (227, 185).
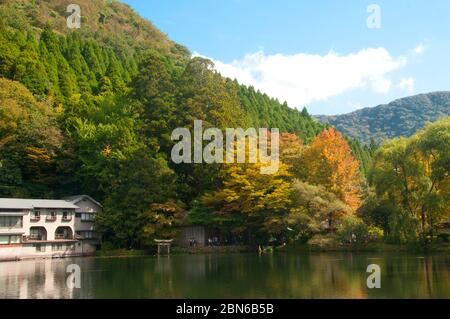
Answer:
(164, 243)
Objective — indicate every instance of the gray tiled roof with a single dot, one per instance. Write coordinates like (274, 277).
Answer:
(20, 203)
(75, 199)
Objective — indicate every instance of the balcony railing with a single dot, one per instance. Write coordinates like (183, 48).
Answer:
(7, 227)
(35, 218)
(50, 218)
(66, 218)
(62, 236)
(36, 237)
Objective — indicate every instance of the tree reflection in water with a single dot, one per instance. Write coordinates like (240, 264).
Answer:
(280, 275)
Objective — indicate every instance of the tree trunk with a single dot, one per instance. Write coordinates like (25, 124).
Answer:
(330, 222)
(422, 217)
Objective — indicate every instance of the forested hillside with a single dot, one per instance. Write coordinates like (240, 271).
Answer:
(117, 56)
(109, 23)
(91, 111)
(269, 112)
(402, 117)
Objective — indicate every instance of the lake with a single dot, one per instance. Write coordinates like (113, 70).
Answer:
(280, 275)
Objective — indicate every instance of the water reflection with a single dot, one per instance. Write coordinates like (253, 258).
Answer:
(231, 276)
(34, 279)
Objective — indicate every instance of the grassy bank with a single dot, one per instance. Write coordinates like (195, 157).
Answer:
(212, 249)
(122, 253)
(108, 252)
(370, 247)
(291, 248)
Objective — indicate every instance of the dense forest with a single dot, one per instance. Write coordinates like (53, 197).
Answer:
(402, 117)
(91, 111)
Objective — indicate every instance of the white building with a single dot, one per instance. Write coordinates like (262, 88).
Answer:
(34, 228)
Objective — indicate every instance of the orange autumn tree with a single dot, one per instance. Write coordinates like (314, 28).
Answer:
(328, 161)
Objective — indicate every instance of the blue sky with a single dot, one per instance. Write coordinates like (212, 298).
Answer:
(319, 54)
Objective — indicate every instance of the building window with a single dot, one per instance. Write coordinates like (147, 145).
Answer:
(87, 217)
(51, 216)
(38, 233)
(40, 248)
(11, 221)
(58, 247)
(63, 232)
(87, 234)
(4, 240)
(67, 216)
(14, 239)
(9, 239)
(36, 215)
(34, 233)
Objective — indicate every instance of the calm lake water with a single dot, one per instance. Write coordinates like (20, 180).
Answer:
(282, 275)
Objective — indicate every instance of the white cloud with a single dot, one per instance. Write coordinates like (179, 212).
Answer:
(407, 84)
(420, 49)
(304, 78)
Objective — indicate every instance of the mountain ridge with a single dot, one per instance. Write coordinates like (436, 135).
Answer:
(401, 117)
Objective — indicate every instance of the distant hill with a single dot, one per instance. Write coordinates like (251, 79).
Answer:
(402, 117)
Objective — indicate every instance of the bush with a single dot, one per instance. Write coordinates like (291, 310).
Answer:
(444, 237)
(322, 241)
(375, 234)
(107, 246)
(352, 230)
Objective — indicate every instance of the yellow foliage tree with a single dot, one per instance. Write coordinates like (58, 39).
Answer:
(291, 151)
(250, 203)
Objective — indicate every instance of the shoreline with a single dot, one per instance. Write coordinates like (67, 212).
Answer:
(300, 248)
(304, 248)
